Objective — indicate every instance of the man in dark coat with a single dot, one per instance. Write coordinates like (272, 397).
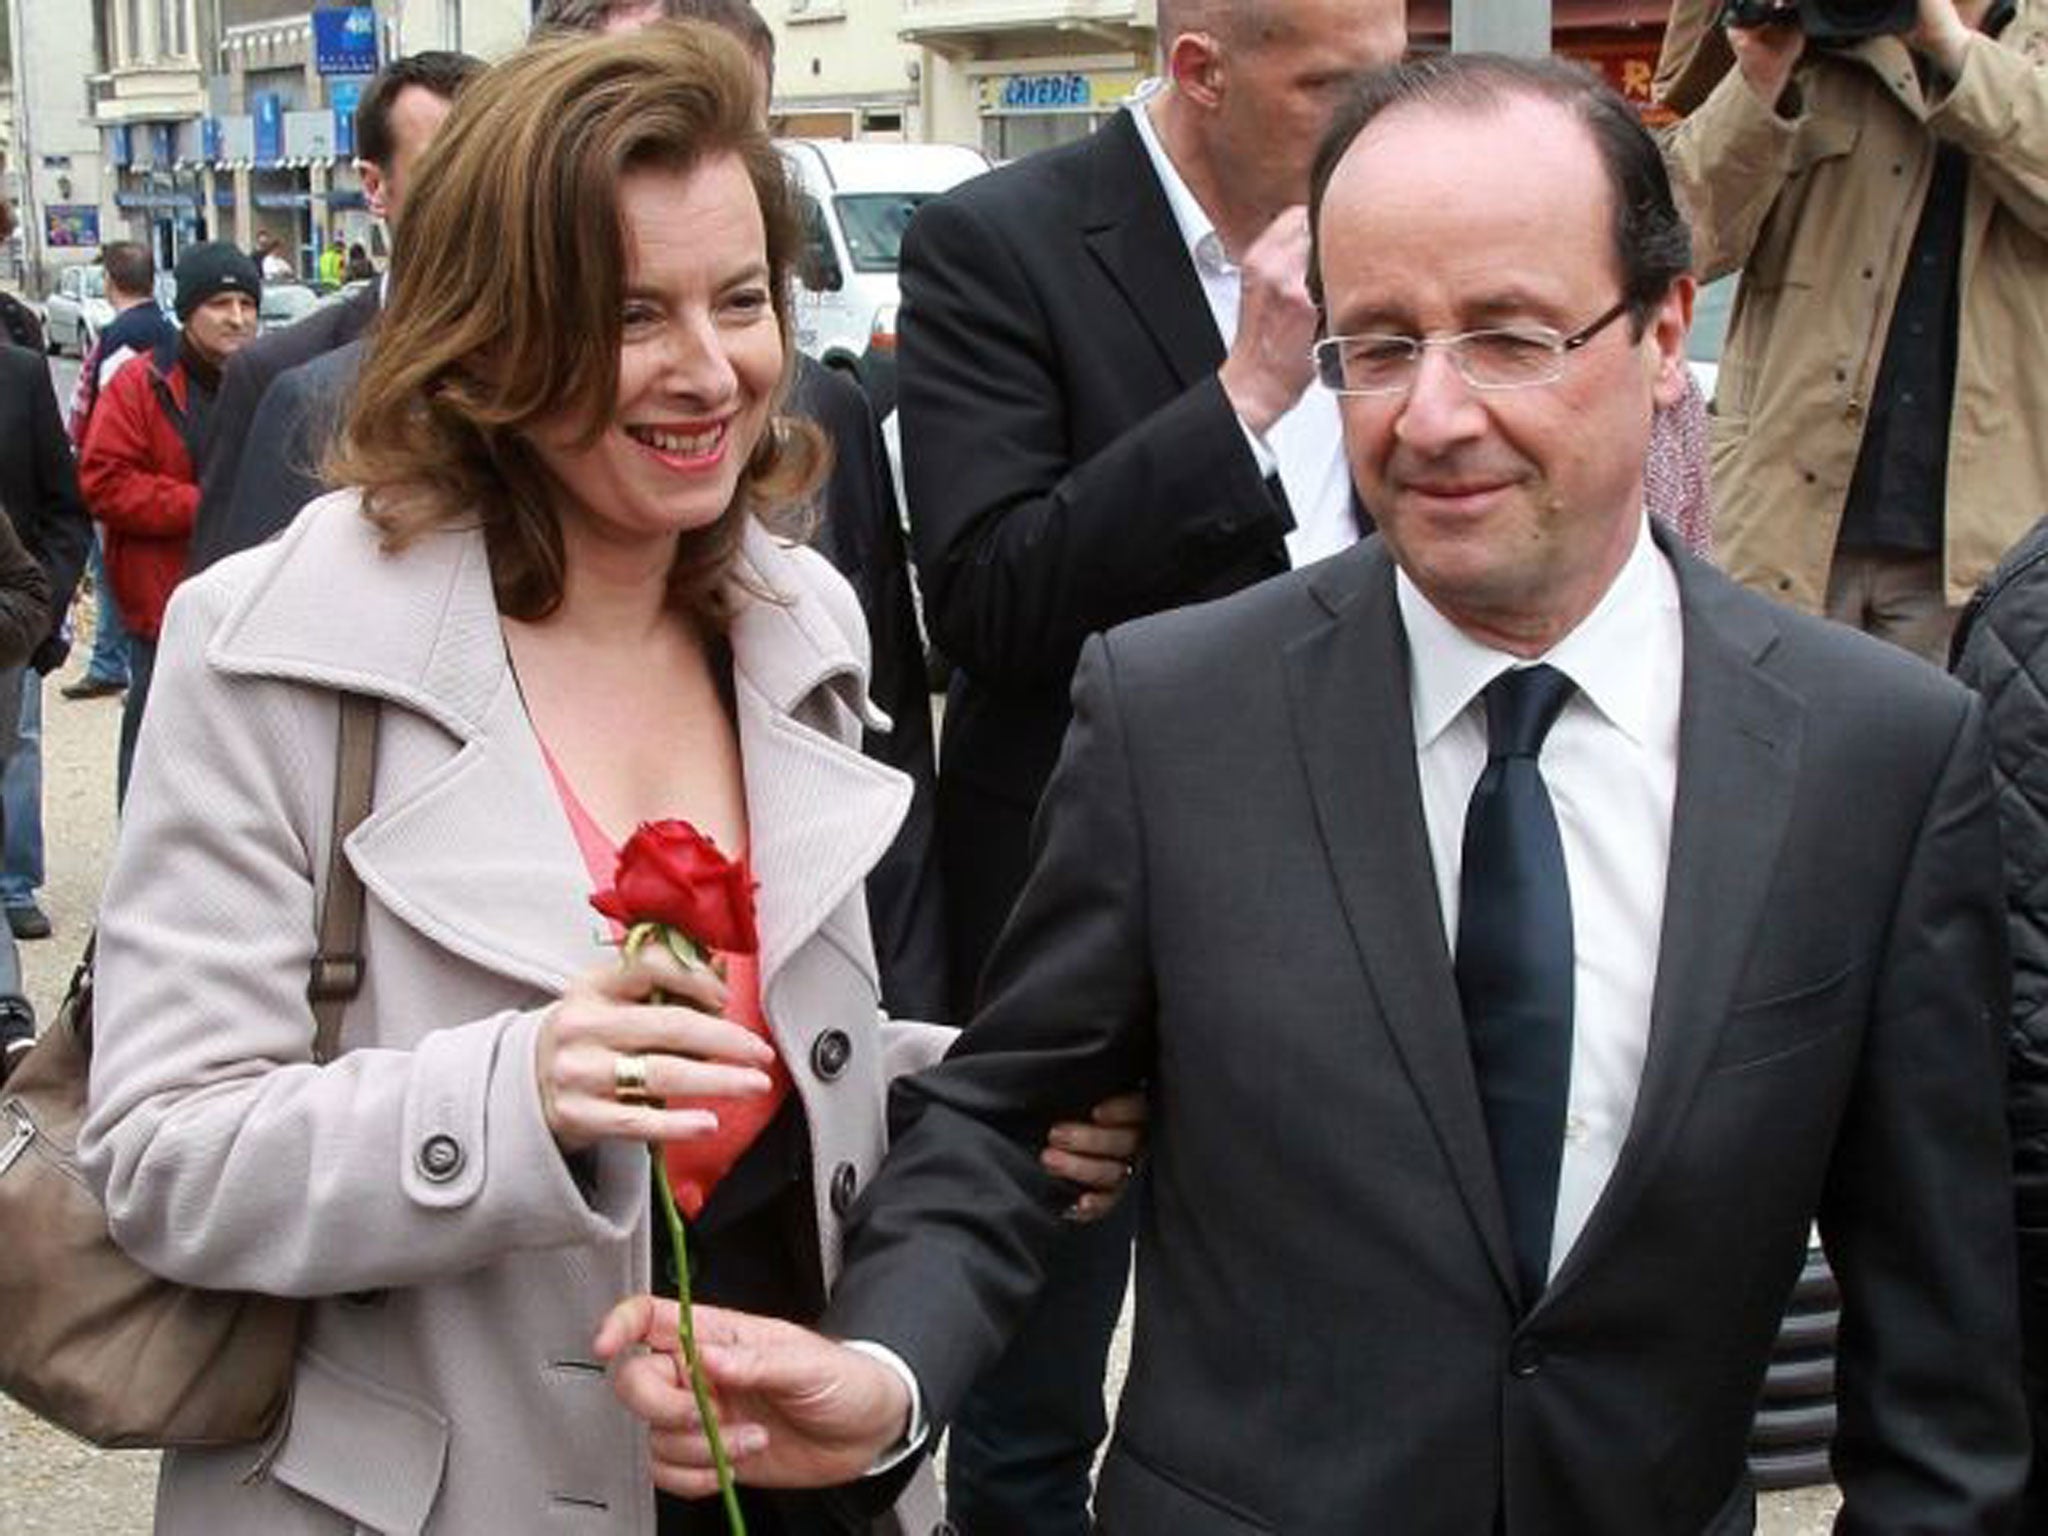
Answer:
(45, 522)
(1106, 412)
(395, 121)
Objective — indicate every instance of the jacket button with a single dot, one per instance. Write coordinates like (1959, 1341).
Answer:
(845, 1183)
(440, 1158)
(830, 1053)
(1525, 1358)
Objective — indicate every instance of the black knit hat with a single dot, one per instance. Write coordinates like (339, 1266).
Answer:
(212, 268)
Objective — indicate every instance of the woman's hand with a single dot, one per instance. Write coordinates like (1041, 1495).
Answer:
(1100, 1153)
(683, 1046)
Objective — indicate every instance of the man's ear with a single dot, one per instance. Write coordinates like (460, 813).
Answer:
(1195, 65)
(373, 186)
(1670, 323)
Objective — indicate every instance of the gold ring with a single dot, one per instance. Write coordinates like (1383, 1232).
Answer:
(629, 1079)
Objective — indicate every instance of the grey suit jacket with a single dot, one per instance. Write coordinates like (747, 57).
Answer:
(444, 1380)
(1232, 897)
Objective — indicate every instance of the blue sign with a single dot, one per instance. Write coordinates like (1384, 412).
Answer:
(1047, 93)
(163, 143)
(269, 128)
(345, 96)
(209, 140)
(345, 40)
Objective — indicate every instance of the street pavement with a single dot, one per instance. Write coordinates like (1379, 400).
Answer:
(50, 1484)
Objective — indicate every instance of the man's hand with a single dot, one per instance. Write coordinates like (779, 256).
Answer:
(795, 1409)
(1100, 1154)
(1269, 364)
(1943, 32)
(1765, 54)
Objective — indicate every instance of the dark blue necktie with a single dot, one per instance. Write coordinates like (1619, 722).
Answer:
(1514, 961)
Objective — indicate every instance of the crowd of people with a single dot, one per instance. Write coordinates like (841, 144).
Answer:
(1386, 854)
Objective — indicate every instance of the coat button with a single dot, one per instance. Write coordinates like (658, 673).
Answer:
(830, 1053)
(440, 1158)
(845, 1183)
(1525, 1358)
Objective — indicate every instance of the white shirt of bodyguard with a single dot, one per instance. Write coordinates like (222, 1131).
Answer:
(1306, 446)
(1610, 764)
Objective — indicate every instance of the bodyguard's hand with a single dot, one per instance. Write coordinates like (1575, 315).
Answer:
(683, 1046)
(1269, 365)
(1100, 1154)
(1766, 54)
(795, 1409)
(1943, 32)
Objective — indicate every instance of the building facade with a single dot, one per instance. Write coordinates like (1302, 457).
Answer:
(50, 164)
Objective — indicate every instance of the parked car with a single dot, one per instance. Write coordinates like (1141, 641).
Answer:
(77, 309)
(857, 200)
(283, 303)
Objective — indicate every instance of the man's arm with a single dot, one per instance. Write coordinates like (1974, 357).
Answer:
(60, 537)
(1996, 110)
(243, 383)
(1729, 158)
(1024, 549)
(947, 1248)
(274, 481)
(1917, 1214)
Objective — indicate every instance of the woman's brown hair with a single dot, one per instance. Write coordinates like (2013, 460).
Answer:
(507, 284)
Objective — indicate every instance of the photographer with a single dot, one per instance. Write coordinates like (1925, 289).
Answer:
(1877, 437)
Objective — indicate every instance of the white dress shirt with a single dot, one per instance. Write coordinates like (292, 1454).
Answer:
(1305, 446)
(1611, 766)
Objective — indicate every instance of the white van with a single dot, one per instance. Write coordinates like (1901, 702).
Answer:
(857, 201)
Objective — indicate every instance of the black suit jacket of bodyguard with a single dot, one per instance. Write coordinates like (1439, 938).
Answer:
(1232, 897)
(1071, 462)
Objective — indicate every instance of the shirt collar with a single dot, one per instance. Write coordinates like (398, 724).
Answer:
(1197, 229)
(1608, 654)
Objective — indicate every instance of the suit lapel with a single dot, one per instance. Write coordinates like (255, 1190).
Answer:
(1739, 737)
(1129, 229)
(1348, 696)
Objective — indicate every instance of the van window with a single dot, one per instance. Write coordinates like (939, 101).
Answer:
(819, 267)
(873, 223)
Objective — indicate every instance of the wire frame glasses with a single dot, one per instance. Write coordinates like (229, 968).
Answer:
(1509, 357)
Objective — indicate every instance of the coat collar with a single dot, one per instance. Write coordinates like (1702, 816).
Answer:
(420, 630)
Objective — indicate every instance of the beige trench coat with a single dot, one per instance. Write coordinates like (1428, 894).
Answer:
(445, 1380)
(1818, 214)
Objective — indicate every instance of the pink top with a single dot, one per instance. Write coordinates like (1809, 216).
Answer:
(694, 1166)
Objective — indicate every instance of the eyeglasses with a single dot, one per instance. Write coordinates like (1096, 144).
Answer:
(1514, 357)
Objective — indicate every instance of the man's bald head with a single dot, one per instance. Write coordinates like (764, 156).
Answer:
(1229, 20)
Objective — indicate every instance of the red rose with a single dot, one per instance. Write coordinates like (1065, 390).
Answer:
(671, 873)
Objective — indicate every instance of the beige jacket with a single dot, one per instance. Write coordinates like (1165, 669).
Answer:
(1818, 213)
(445, 1380)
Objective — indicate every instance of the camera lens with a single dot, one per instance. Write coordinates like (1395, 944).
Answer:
(1846, 20)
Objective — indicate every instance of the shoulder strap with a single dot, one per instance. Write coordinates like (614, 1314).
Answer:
(337, 973)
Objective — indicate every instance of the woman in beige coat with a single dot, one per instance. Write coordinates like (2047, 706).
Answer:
(552, 576)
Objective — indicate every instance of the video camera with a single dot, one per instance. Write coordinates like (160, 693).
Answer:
(1825, 21)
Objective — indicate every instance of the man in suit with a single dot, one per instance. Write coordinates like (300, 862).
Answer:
(1479, 907)
(396, 120)
(1106, 413)
(45, 516)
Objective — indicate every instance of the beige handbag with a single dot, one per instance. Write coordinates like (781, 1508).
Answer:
(92, 1341)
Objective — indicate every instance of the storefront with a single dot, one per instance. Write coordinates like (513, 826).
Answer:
(1026, 110)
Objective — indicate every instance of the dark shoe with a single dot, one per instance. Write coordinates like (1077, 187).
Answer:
(29, 922)
(92, 688)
